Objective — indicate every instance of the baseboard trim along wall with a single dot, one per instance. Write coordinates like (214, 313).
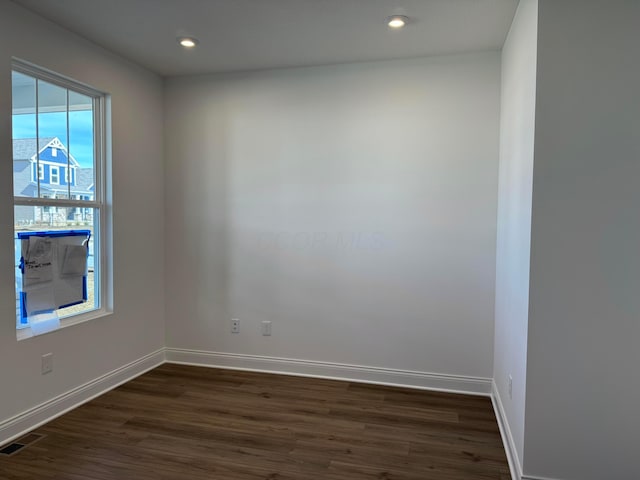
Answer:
(505, 433)
(31, 419)
(334, 371)
(528, 477)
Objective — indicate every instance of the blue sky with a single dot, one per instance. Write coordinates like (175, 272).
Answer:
(55, 125)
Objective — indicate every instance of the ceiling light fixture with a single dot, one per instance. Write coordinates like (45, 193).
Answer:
(188, 42)
(397, 21)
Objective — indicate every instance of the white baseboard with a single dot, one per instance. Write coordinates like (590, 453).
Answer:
(31, 419)
(334, 371)
(533, 477)
(528, 477)
(507, 437)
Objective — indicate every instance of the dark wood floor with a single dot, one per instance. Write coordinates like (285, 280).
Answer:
(178, 422)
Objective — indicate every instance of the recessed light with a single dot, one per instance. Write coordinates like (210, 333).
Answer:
(397, 21)
(188, 42)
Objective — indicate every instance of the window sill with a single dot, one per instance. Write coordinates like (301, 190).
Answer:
(25, 333)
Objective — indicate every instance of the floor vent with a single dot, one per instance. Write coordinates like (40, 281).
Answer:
(19, 444)
(11, 449)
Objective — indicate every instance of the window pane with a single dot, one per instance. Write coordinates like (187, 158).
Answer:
(81, 147)
(61, 164)
(25, 173)
(52, 138)
(44, 219)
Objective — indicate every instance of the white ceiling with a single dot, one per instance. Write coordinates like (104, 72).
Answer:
(256, 34)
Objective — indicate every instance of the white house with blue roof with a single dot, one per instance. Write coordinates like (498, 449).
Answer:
(48, 163)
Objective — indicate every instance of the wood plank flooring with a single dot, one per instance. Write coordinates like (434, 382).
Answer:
(180, 422)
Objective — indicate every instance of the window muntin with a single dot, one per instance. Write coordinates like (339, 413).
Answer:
(58, 134)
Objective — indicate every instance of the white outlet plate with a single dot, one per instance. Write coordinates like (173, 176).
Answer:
(510, 380)
(47, 363)
(235, 325)
(266, 328)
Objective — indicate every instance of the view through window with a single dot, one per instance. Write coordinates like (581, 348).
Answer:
(58, 169)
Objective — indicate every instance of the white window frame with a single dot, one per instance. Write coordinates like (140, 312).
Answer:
(103, 289)
(53, 168)
(40, 169)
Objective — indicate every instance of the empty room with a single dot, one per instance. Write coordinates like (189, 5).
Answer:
(319, 239)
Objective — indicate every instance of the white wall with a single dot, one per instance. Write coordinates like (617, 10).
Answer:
(583, 385)
(87, 351)
(268, 172)
(517, 131)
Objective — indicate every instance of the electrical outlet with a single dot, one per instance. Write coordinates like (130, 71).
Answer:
(266, 328)
(510, 380)
(47, 363)
(235, 325)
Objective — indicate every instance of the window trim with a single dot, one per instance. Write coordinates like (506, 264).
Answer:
(52, 169)
(102, 241)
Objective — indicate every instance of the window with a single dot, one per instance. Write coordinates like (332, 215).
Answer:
(59, 132)
(55, 175)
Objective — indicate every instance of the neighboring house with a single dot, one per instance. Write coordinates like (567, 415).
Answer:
(59, 176)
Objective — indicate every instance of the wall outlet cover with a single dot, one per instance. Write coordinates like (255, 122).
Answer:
(266, 328)
(47, 363)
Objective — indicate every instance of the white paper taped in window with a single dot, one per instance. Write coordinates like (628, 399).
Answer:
(54, 271)
(41, 298)
(38, 265)
(74, 261)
